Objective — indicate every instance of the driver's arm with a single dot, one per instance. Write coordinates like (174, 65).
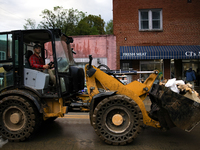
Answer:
(46, 66)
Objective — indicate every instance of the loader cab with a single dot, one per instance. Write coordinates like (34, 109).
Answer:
(15, 71)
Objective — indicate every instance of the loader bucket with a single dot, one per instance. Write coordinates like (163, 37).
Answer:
(172, 109)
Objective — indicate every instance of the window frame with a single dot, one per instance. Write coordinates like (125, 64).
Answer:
(150, 19)
(8, 49)
(1, 55)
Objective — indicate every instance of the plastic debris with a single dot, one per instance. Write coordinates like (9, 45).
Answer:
(180, 87)
(172, 85)
(179, 82)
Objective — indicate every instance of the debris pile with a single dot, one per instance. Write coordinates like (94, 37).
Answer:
(180, 87)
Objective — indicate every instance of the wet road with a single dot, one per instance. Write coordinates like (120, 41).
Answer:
(75, 133)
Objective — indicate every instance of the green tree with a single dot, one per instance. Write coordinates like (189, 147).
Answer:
(70, 21)
(30, 24)
(91, 25)
(53, 19)
(109, 27)
(64, 19)
(74, 17)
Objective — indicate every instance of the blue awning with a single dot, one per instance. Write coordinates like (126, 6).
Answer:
(160, 52)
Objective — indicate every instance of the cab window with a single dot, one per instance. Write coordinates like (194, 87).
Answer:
(5, 46)
(6, 70)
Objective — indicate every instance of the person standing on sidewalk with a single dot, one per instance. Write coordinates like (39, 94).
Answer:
(190, 76)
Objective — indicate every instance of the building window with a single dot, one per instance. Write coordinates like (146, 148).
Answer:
(150, 20)
(125, 66)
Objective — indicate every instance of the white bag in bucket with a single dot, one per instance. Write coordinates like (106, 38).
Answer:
(172, 85)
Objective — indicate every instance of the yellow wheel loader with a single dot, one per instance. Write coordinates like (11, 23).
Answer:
(117, 111)
(29, 96)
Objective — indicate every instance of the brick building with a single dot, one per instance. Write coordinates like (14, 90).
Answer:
(157, 34)
(101, 47)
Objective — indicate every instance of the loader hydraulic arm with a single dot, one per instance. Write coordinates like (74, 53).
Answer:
(98, 81)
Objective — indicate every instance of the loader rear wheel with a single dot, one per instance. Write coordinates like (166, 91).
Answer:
(19, 118)
(117, 120)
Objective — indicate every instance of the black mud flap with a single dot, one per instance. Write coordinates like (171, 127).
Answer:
(172, 109)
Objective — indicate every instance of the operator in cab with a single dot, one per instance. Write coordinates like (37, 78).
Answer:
(35, 60)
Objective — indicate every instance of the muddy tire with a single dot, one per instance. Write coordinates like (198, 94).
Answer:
(19, 118)
(117, 120)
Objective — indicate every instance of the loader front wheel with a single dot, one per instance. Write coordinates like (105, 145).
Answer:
(117, 120)
(19, 118)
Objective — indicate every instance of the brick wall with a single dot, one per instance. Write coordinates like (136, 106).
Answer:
(181, 23)
(99, 46)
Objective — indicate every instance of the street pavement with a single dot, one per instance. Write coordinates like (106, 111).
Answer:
(74, 132)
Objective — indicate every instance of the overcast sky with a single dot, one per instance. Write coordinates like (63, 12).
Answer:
(14, 12)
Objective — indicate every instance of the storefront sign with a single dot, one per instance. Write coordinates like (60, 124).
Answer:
(190, 53)
(135, 54)
(160, 52)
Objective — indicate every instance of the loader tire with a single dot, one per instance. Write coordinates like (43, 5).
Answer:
(117, 120)
(19, 118)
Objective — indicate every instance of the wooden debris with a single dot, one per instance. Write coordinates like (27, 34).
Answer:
(192, 96)
(187, 89)
(163, 82)
(189, 85)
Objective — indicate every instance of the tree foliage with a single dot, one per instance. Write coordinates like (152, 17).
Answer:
(109, 27)
(53, 19)
(70, 21)
(91, 25)
(74, 16)
(64, 19)
(30, 24)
